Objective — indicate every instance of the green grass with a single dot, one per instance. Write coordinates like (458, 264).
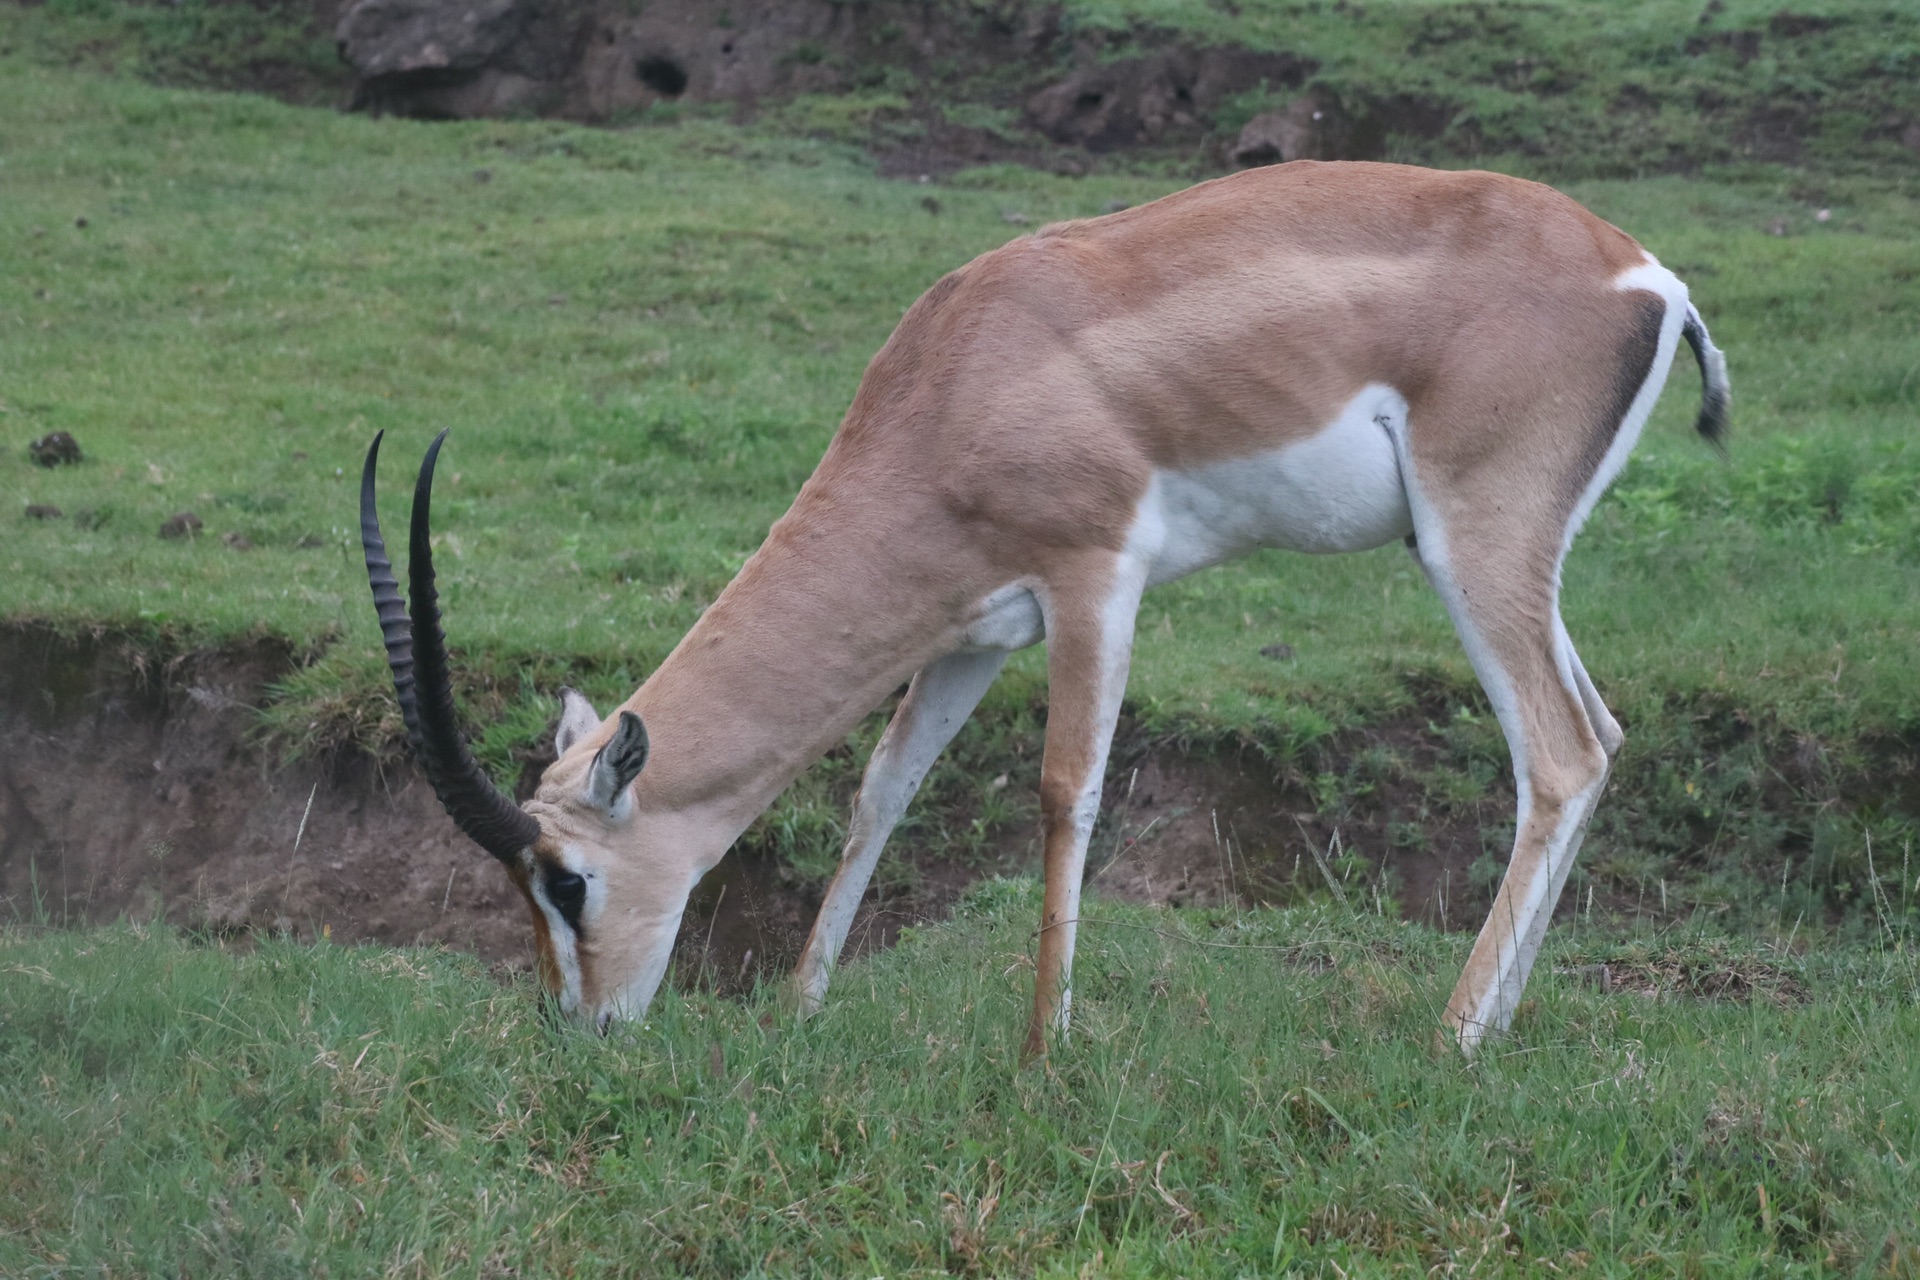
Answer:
(1243, 1095)
(260, 45)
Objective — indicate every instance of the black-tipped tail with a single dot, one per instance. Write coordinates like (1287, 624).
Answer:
(1716, 395)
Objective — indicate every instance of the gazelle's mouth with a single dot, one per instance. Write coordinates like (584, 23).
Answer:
(603, 1022)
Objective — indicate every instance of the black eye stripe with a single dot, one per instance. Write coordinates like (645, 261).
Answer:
(568, 894)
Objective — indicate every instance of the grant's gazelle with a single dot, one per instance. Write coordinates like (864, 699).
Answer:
(1322, 357)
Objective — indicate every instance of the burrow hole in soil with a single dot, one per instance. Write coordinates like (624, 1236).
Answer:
(662, 75)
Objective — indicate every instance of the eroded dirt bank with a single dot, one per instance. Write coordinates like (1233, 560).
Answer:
(132, 784)
(129, 785)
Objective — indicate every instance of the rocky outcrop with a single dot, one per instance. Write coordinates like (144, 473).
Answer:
(403, 37)
(460, 58)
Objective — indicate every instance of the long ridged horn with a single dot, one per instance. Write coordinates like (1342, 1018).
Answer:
(420, 677)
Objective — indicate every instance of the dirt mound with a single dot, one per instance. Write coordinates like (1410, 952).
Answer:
(1086, 91)
(1063, 94)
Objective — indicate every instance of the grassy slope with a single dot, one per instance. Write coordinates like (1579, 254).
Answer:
(170, 1108)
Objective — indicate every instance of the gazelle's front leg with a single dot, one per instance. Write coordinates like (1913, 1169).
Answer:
(1089, 644)
(938, 702)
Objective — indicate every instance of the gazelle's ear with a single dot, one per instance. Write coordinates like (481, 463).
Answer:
(618, 763)
(577, 720)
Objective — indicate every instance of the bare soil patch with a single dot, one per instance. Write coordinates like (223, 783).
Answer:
(1216, 828)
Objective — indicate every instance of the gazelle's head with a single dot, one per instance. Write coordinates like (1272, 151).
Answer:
(606, 880)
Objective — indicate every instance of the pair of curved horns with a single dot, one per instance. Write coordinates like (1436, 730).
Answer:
(417, 656)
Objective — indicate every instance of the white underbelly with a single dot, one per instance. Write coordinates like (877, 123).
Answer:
(1337, 490)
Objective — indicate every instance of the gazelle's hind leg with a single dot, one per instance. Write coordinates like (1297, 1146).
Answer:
(1502, 463)
(938, 702)
(1089, 646)
(1500, 584)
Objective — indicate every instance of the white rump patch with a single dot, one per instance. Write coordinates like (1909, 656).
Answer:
(1337, 490)
(1653, 278)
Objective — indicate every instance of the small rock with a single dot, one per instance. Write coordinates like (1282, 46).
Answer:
(181, 524)
(930, 203)
(407, 37)
(235, 541)
(1014, 218)
(42, 511)
(299, 455)
(80, 223)
(1825, 215)
(1114, 206)
(1278, 652)
(55, 449)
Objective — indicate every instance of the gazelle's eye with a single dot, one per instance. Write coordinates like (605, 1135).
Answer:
(568, 893)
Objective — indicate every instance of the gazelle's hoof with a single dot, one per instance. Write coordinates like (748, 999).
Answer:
(803, 999)
(1458, 1035)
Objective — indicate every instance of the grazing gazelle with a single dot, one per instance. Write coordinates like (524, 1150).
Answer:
(1324, 357)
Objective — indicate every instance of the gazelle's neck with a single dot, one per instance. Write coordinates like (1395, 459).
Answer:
(827, 618)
